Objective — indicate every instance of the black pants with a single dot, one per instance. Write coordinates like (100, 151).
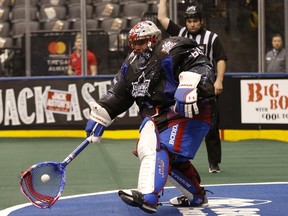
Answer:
(212, 139)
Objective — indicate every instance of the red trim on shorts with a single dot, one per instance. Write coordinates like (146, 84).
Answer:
(179, 136)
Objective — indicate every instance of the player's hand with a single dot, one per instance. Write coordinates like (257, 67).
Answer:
(186, 102)
(98, 120)
(95, 130)
(186, 95)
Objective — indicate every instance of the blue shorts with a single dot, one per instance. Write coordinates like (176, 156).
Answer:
(185, 138)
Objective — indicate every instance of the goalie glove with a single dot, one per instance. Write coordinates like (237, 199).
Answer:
(99, 119)
(186, 94)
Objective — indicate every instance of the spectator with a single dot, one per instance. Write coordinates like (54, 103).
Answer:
(74, 67)
(212, 48)
(276, 58)
(58, 26)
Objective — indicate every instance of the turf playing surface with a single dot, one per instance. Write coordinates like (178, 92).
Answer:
(226, 200)
(110, 165)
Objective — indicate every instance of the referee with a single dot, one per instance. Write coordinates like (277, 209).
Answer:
(212, 47)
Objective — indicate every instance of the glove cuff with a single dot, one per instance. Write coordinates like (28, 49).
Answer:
(188, 79)
(99, 114)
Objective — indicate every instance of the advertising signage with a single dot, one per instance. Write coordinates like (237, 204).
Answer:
(61, 103)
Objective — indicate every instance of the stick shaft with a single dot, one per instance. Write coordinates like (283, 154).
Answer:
(77, 151)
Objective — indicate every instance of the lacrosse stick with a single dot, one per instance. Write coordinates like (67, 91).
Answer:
(43, 183)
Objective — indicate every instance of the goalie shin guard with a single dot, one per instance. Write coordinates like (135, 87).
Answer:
(186, 178)
(154, 165)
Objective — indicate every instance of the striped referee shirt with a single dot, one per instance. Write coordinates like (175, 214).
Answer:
(208, 41)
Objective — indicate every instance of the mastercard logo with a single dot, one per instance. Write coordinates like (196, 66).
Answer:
(56, 47)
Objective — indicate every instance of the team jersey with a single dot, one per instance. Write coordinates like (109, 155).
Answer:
(151, 80)
(208, 41)
(75, 62)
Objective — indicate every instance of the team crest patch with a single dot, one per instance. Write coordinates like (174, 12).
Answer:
(140, 88)
(167, 46)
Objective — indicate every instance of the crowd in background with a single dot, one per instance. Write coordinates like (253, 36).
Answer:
(236, 22)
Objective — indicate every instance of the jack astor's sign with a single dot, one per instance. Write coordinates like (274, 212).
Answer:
(61, 103)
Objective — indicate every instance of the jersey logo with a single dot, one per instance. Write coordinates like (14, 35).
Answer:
(167, 46)
(173, 134)
(195, 52)
(140, 88)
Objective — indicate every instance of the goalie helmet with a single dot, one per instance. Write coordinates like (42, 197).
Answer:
(193, 11)
(144, 30)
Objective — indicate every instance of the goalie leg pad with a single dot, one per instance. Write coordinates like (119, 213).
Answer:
(154, 162)
(186, 178)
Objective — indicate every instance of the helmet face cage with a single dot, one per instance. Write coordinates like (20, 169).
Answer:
(193, 12)
(144, 30)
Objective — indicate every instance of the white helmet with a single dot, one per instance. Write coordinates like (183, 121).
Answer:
(144, 30)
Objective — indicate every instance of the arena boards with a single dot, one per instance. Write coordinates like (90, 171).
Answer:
(231, 199)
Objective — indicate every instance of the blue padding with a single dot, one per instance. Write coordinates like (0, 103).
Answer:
(161, 170)
(94, 127)
(183, 181)
(161, 175)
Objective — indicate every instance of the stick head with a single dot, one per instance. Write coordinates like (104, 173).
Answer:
(43, 193)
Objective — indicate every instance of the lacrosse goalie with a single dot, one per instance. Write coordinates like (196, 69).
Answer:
(171, 81)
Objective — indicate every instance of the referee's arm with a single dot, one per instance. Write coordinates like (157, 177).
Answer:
(218, 85)
(220, 58)
(162, 15)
